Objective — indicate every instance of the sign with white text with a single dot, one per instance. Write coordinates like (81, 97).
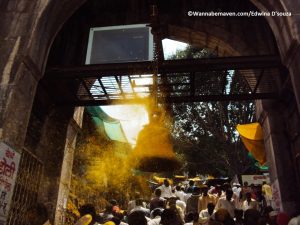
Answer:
(9, 163)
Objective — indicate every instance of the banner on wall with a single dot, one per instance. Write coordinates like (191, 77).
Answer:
(9, 163)
(277, 205)
(256, 179)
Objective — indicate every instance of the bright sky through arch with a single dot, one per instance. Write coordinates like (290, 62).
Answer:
(170, 47)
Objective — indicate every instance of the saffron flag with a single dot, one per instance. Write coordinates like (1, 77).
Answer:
(252, 137)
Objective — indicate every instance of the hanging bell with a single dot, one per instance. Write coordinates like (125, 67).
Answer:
(154, 151)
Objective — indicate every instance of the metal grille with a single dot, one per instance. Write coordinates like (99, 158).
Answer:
(196, 84)
(26, 187)
(214, 79)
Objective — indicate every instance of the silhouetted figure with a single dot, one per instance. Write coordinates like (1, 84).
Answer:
(137, 218)
(88, 214)
(251, 217)
(170, 217)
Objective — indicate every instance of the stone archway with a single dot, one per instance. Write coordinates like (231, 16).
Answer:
(28, 40)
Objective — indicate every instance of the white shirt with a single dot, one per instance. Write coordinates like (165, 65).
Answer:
(251, 205)
(186, 197)
(204, 216)
(154, 221)
(237, 201)
(131, 205)
(237, 191)
(141, 208)
(181, 204)
(166, 192)
(225, 204)
(180, 195)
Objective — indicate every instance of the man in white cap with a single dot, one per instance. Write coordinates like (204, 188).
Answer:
(236, 188)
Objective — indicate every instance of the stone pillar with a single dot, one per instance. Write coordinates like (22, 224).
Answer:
(278, 147)
(291, 61)
(50, 150)
(16, 99)
(66, 172)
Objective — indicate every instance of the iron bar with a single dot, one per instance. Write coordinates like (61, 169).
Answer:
(167, 66)
(86, 88)
(103, 88)
(168, 100)
(258, 81)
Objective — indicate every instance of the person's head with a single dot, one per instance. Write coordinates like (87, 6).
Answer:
(251, 217)
(113, 202)
(264, 182)
(248, 196)
(157, 192)
(222, 215)
(166, 183)
(226, 186)
(170, 217)
(238, 214)
(191, 183)
(172, 201)
(178, 188)
(210, 208)
(196, 190)
(229, 194)
(87, 209)
(36, 214)
(137, 218)
(156, 212)
(108, 208)
(245, 184)
(205, 190)
(218, 189)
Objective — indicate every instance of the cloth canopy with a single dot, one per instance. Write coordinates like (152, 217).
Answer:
(112, 127)
(252, 137)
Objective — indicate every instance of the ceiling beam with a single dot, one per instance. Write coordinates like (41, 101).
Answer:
(168, 100)
(167, 66)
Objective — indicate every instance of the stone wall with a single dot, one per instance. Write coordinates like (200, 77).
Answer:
(28, 29)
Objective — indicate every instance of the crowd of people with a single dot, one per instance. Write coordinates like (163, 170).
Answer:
(191, 205)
